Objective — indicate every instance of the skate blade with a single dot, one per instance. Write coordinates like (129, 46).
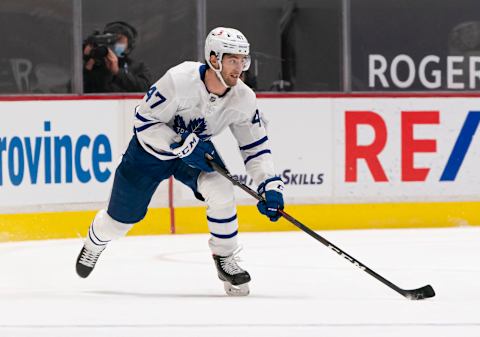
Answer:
(240, 290)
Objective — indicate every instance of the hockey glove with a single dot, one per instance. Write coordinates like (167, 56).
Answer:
(271, 189)
(192, 151)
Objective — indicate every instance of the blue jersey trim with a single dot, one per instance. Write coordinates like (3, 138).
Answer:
(202, 70)
(252, 145)
(224, 236)
(141, 118)
(146, 126)
(253, 156)
(221, 220)
(162, 153)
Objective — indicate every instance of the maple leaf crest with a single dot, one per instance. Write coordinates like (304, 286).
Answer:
(179, 124)
(196, 125)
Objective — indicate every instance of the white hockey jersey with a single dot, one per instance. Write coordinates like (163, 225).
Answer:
(180, 101)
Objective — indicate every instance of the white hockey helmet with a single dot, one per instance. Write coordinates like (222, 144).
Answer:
(223, 40)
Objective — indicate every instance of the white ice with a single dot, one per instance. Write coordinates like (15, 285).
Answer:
(167, 286)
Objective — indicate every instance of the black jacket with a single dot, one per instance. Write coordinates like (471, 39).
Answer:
(132, 77)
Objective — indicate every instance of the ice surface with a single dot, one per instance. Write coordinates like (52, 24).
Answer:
(167, 286)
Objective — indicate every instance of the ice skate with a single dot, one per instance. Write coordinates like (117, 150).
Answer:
(235, 279)
(87, 259)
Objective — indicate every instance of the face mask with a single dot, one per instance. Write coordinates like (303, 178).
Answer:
(119, 49)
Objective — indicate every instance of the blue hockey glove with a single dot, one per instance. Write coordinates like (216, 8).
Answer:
(192, 151)
(271, 189)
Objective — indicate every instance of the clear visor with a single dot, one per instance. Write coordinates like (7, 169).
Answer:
(243, 61)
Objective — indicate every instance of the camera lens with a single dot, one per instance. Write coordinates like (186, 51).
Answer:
(99, 52)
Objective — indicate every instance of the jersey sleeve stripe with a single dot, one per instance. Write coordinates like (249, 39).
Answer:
(146, 126)
(163, 153)
(221, 220)
(253, 156)
(141, 118)
(252, 145)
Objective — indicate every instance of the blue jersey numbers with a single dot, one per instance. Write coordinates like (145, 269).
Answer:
(158, 98)
(256, 118)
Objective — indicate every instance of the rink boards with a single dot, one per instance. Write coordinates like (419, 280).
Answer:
(348, 161)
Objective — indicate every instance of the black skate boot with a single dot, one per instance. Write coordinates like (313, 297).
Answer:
(87, 259)
(235, 279)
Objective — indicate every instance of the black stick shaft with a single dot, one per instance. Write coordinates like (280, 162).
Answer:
(313, 234)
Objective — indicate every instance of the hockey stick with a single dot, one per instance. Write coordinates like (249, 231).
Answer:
(413, 294)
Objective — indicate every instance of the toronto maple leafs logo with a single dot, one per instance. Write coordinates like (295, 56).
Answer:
(196, 125)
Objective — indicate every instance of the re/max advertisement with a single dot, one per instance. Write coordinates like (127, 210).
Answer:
(327, 150)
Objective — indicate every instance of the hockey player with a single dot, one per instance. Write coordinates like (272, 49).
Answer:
(174, 123)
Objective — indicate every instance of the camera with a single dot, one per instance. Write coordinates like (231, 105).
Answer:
(100, 43)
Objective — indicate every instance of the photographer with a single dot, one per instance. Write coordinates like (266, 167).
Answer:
(107, 66)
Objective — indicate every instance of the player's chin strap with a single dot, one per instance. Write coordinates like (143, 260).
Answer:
(219, 76)
(218, 72)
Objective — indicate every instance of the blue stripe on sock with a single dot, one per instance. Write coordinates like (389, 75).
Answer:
(93, 241)
(96, 237)
(221, 220)
(252, 145)
(224, 236)
(253, 156)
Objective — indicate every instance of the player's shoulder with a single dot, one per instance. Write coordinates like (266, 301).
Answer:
(184, 75)
(185, 69)
(244, 91)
